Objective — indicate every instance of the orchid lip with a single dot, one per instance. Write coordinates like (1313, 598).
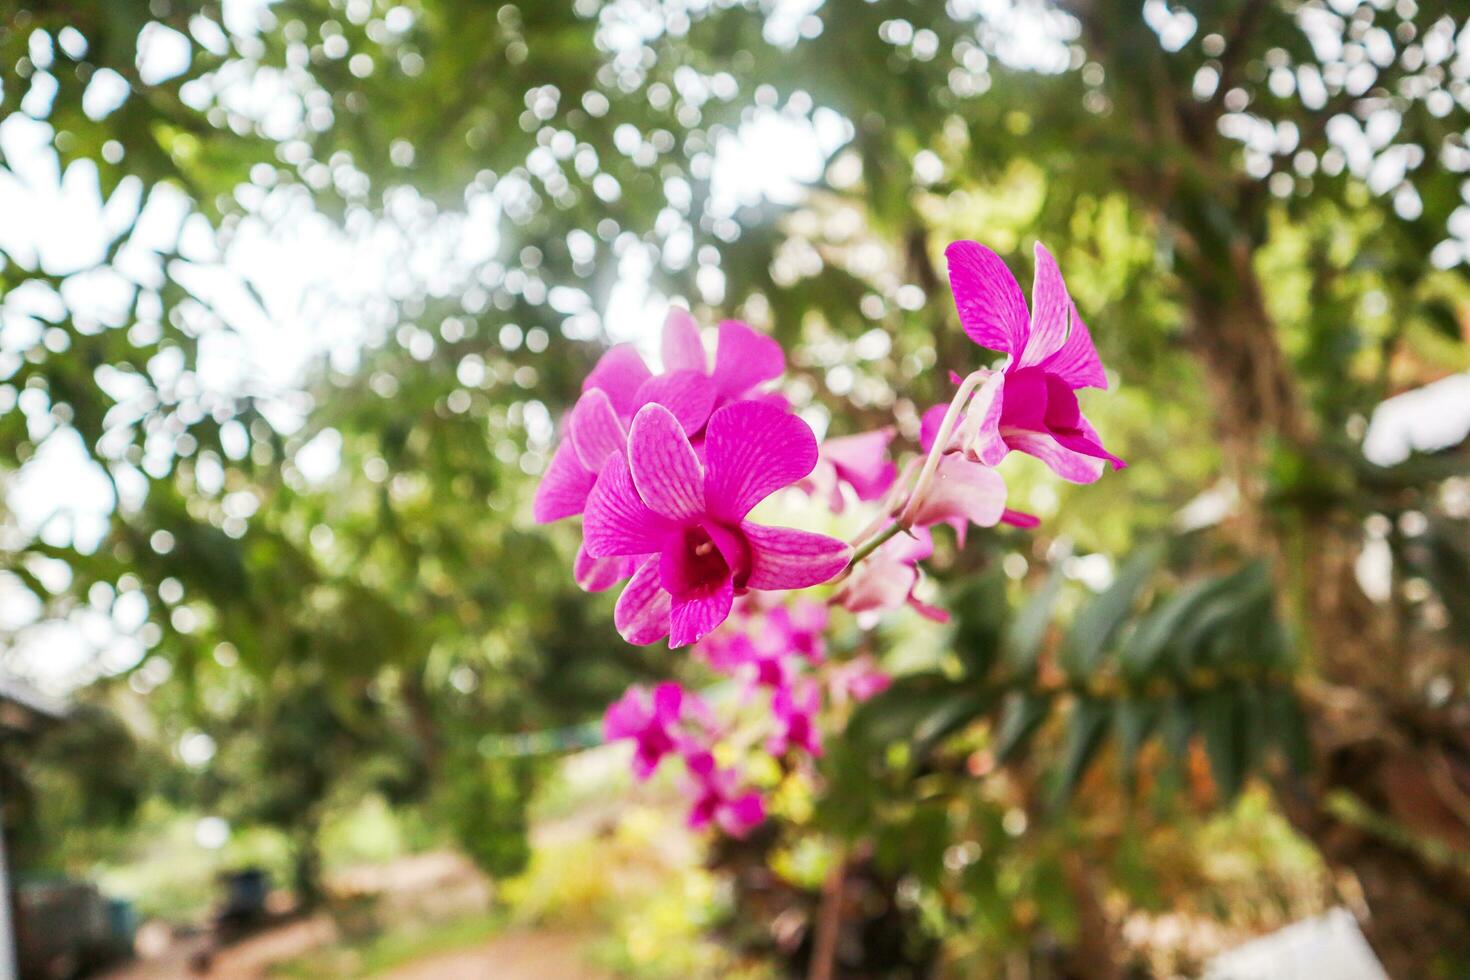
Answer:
(699, 558)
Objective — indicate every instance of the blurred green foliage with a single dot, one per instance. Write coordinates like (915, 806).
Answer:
(1256, 205)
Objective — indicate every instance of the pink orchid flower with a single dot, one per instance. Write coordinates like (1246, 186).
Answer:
(687, 517)
(795, 707)
(964, 492)
(757, 630)
(739, 654)
(886, 580)
(858, 461)
(799, 628)
(619, 385)
(1031, 405)
(858, 680)
(653, 723)
(718, 799)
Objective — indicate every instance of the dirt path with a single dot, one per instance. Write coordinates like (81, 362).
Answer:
(533, 955)
(436, 885)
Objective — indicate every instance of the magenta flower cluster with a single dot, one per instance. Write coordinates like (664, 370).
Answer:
(665, 469)
(776, 653)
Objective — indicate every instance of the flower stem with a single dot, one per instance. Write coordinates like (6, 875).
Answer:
(890, 505)
(873, 544)
(893, 517)
(941, 442)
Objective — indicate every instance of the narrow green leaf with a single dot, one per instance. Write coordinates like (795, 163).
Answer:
(1222, 723)
(1143, 651)
(1028, 629)
(1178, 726)
(1287, 729)
(1134, 720)
(1099, 620)
(1023, 714)
(1085, 733)
(919, 708)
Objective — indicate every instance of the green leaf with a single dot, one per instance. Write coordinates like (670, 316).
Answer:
(1028, 628)
(1143, 650)
(1134, 719)
(1100, 619)
(1222, 722)
(1085, 731)
(1287, 728)
(980, 612)
(1022, 715)
(919, 708)
(1178, 726)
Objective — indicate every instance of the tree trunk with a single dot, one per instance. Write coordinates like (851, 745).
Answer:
(1095, 955)
(421, 720)
(306, 869)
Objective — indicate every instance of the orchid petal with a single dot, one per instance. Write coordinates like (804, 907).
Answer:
(742, 814)
(564, 487)
(692, 619)
(618, 522)
(595, 430)
(1076, 361)
(1016, 518)
(682, 349)
(774, 398)
(744, 359)
(1087, 445)
(619, 372)
(931, 613)
(665, 470)
(752, 450)
(1068, 464)
(862, 461)
(642, 612)
(1062, 408)
(879, 583)
(962, 488)
(979, 433)
(688, 394)
(685, 572)
(1049, 309)
(915, 546)
(1024, 399)
(626, 717)
(989, 300)
(785, 558)
(929, 424)
(668, 698)
(601, 574)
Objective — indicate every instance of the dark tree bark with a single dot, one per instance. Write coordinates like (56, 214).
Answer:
(306, 869)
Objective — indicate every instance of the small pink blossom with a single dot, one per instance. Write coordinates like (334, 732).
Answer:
(858, 680)
(686, 517)
(859, 461)
(799, 628)
(1031, 404)
(718, 798)
(795, 708)
(886, 580)
(739, 654)
(653, 722)
(963, 491)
